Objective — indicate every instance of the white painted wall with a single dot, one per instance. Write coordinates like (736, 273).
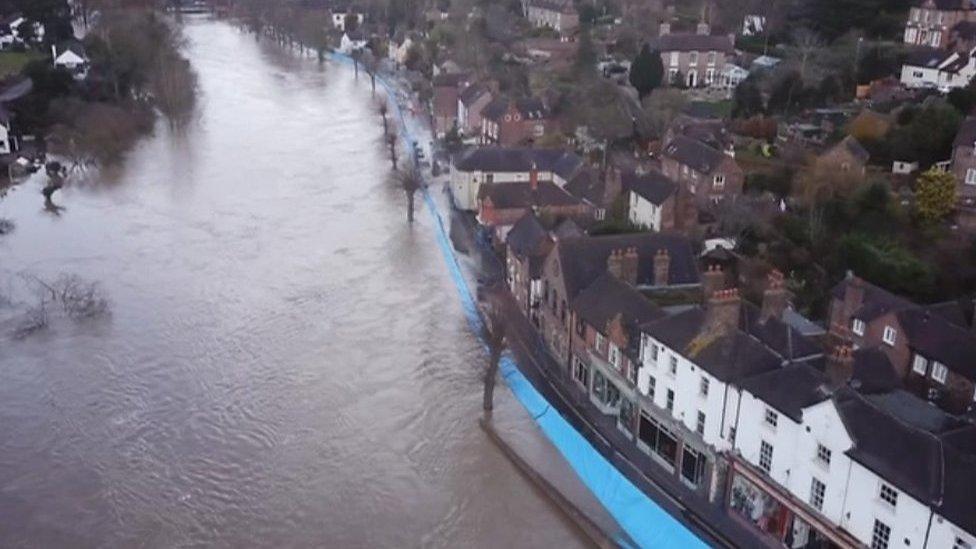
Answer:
(644, 212)
(908, 520)
(465, 185)
(944, 534)
(686, 384)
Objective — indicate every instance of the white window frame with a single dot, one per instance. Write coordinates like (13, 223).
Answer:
(651, 387)
(823, 455)
(890, 336)
(669, 400)
(673, 365)
(675, 59)
(939, 371)
(771, 418)
(920, 365)
(712, 56)
(614, 355)
(700, 423)
(888, 495)
(765, 456)
(970, 176)
(693, 58)
(718, 183)
(818, 491)
(600, 340)
(703, 386)
(857, 326)
(880, 535)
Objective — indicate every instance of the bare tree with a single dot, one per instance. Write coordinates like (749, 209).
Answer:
(410, 181)
(495, 337)
(807, 42)
(371, 64)
(391, 143)
(383, 109)
(77, 298)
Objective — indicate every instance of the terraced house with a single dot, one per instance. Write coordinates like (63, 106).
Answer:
(695, 59)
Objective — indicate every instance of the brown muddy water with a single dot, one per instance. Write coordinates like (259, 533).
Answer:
(285, 363)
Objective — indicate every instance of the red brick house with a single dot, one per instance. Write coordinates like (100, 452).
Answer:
(502, 204)
(931, 347)
(930, 23)
(507, 122)
(709, 175)
(527, 245)
(447, 90)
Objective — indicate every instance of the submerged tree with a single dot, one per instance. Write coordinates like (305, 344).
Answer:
(410, 180)
(383, 109)
(391, 142)
(494, 335)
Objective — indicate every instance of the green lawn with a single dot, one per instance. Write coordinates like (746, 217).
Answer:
(13, 62)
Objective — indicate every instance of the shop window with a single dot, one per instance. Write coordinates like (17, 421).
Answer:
(692, 466)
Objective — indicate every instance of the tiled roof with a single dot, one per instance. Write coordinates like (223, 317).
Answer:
(515, 159)
(692, 42)
(608, 296)
(521, 195)
(694, 154)
(583, 259)
(655, 187)
(528, 237)
(936, 338)
(789, 389)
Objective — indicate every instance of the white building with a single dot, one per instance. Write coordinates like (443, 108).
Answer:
(939, 69)
(70, 55)
(488, 165)
(651, 198)
(339, 19)
(353, 41)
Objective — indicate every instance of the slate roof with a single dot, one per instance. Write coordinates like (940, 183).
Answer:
(655, 187)
(789, 389)
(906, 456)
(588, 185)
(608, 296)
(584, 259)
(692, 42)
(926, 57)
(730, 357)
(73, 46)
(521, 195)
(528, 237)
(966, 136)
(877, 300)
(514, 159)
(567, 228)
(779, 336)
(874, 372)
(472, 93)
(936, 338)
(694, 154)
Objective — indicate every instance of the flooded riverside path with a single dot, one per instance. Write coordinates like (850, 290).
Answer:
(286, 363)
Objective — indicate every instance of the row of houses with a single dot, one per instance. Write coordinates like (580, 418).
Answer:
(810, 449)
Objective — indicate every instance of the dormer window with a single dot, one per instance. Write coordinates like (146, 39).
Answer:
(889, 335)
(939, 372)
(857, 326)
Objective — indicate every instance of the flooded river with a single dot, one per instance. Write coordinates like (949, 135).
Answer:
(285, 364)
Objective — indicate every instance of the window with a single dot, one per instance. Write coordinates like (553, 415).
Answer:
(614, 356)
(654, 352)
(920, 365)
(693, 58)
(600, 342)
(889, 335)
(719, 182)
(711, 57)
(971, 176)
(961, 544)
(939, 372)
(857, 326)
(700, 424)
(672, 75)
(888, 495)
(703, 388)
(580, 372)
(772, 418)
(823, 454)
(674, 60)
(670, 402)
(651, 386)
(817, 490)
(765, 456)
(880, 535)
(674, 365)
(692, 465)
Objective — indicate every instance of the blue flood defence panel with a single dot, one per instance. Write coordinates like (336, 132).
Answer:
(644, 520)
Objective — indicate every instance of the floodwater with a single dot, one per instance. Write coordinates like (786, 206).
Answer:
(285, 363)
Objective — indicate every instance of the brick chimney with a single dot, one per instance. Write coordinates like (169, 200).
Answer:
(840, 365)
(775, 297)
(712, 280)
(629, 266)
(722, 311)
(615, 263)
(534, 178)
(703, 29)
(662, 267)
(853, 295)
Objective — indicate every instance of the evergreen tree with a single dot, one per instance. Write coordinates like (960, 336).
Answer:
(646, 71)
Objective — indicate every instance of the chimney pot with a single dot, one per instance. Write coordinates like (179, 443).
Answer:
(775, 297)
(840, 365)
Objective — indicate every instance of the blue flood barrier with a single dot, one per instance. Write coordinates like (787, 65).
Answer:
(641, 518)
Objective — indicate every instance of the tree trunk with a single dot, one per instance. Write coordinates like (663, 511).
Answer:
(410, 198)
(386, 129)
(372, 80)
(491, 376)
